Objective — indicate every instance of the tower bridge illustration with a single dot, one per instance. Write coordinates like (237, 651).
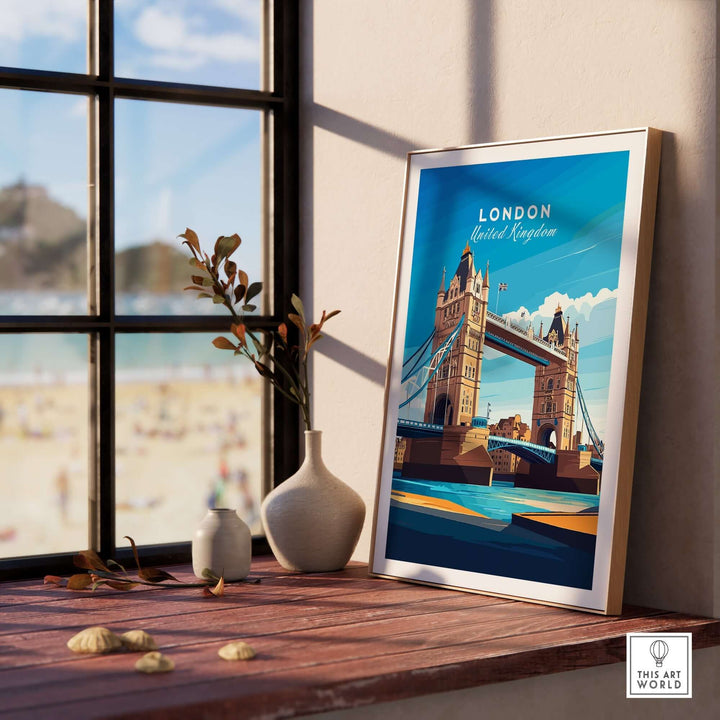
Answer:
(454, 441)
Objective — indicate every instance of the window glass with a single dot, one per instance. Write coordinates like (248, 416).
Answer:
(43, 203)
(44, 34)
(44, 443)
(188, 435)
(206, 42)
(181, 166)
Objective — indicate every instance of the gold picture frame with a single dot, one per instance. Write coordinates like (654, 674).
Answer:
(509, 430)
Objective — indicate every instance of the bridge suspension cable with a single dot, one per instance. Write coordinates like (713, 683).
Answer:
(435, 361)
(419, 354)
(595, 439)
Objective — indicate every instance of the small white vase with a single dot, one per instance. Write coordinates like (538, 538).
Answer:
(223, 544)
(313, 519)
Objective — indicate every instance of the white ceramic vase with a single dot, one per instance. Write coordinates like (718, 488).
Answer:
(313, 519)
(223, 544)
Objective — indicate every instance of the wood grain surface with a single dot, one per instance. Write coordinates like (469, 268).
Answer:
(323, 641)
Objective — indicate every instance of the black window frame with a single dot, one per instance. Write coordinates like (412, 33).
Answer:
(281, 103)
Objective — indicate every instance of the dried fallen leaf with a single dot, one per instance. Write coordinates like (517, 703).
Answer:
(53, 580)
(216, 591)
(80, 581)
(89, 560)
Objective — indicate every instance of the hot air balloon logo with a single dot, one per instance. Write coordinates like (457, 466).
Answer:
(659, 650)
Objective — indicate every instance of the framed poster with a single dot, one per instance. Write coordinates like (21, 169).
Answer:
(514, 374)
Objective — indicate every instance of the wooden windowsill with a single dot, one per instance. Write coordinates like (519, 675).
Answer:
(324, 641)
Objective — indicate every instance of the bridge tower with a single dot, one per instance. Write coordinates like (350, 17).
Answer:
(453, 393)
(555, 389)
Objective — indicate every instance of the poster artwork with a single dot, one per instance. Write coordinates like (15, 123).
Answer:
(508, 342)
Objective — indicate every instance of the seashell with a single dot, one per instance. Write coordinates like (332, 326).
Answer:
(154, 662)
(138, 641)
(236, 651)
(94, 640)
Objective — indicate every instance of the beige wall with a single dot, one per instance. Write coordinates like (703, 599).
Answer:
(380, 78)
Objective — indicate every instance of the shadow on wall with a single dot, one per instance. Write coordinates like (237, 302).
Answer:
(478, 129)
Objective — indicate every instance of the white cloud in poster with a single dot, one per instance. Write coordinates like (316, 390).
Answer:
(595, 314)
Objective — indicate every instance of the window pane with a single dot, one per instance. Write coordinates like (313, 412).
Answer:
(204, 42)
(188, 436)
(181, 166)
(43, 203)
(44, 439)
(44, 34)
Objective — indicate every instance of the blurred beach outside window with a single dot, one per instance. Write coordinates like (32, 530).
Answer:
(44, 428)
(179, 166)
(117, 415)
(188, 435)
(203, 42)
(43, 203)
(44, 34)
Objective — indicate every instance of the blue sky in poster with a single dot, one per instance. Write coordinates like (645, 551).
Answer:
(572, 259)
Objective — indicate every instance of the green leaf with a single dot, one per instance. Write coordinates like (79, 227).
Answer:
(298, 305)
(249, 308)
(253, 290)
(207, 282)
(204, 295)
(194, 262)
(226, 246)
(218, 299)
(223, 344)
(209, 574)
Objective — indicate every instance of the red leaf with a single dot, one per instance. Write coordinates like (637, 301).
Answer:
(239, 332)
(53, 580)
(223, 343)
(282, 331)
